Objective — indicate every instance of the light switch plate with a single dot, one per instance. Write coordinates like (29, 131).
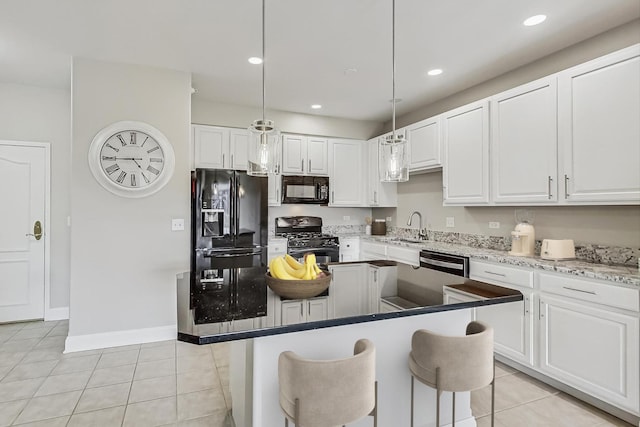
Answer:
(451, 222)
(177, 224)
(346, 218)
(494, 224)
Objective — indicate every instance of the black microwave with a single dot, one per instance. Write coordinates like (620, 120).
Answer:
(305, 189)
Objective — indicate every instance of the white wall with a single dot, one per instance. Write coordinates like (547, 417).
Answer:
(35, 114)
(124, 256)
(605, 225)
(210, 113)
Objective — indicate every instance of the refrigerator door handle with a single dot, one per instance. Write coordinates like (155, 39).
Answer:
(237, 255)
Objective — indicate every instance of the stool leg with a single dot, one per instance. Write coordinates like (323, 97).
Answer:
(296, 412)
(437, 408)
(412, 400)
(375, 408)
(493, 393)
(453, 414)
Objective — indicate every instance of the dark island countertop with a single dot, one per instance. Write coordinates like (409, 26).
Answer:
(201, 334)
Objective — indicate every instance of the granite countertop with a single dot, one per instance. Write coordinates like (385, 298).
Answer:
(623, 275)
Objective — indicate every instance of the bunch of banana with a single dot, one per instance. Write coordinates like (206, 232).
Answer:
(288, 268)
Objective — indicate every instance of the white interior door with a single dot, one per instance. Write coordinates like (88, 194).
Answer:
(23, 183)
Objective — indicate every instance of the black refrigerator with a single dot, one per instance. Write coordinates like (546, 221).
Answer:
(229, 237)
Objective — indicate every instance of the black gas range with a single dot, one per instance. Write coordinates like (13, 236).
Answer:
(304, 234)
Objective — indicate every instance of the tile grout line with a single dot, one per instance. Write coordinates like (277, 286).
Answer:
(126, 405)
(31, 398)
(83, 390)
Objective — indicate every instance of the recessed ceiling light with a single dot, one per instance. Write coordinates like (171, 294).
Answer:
(255, 60)
(434, 72)
(316, 106)
(534, 20)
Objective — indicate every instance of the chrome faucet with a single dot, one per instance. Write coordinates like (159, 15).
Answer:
(422, 232)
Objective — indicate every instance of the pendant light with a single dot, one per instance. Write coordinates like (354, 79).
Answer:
(264, 137)
(394, 165)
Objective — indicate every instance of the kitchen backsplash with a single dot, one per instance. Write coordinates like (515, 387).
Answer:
(343, 229)
(584, 251)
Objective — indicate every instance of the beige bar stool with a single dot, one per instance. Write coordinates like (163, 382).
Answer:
(453, 363)
(323, 393)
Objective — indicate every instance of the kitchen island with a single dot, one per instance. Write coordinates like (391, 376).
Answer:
(255, 350)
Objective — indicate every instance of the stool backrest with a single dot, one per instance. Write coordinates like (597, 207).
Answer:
(330, 392)
(465, 362)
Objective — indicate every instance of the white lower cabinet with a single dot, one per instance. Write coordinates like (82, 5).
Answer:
(277, 246)
(304, 310)
(349, 290)
(370, 251)
(512, 323)
(589, 346)
(349, 249)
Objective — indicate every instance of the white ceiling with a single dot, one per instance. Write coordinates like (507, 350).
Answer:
(310, 44)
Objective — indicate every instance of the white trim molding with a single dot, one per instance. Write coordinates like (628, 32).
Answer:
(120, 338)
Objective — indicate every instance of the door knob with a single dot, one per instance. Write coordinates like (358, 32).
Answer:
(37, 230)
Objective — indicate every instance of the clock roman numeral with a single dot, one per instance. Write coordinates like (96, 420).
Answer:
(145, 141)
(111, 169)
(153, 170)
(133, 180)
(145, 178)
(121, 177)
(155, 160)
(112, 147)
(113, 158)
(122, 140)
(153, 149)
(133, 138)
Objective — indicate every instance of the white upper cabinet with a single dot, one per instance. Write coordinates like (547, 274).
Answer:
(210, 145)
(524, 143)
(466, 155)
(347, 173)
(275, 188)
(304, 155)
(220, 148)
(383, 194)
(424, 145)
(599, 129)
(238, 149)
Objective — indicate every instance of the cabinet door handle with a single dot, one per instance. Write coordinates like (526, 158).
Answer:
(566, 186)
(232, 162)
(525, 304)
(302, 164)
(375, 197)
(341, 257)
(579, 290)
(301, 310)
(375, 275)
(549, 186)
(333, 197)
(309, 169)
(223, 161)
(495, 274)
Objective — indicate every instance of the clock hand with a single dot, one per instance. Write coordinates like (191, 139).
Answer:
(137, 164)
(129, 158)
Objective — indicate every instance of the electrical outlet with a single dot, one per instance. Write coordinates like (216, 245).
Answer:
(346, 218)
(451, 222)
(177, 224)
(494, 224)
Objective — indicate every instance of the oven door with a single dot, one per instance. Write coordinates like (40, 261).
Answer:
(323, 255)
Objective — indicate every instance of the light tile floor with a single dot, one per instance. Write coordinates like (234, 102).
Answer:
(166, 383)
(177, 384)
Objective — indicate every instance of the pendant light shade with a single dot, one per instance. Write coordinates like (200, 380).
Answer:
(394, 162)
(264, 138)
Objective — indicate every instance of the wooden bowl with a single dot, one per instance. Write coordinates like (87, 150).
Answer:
(298, 289)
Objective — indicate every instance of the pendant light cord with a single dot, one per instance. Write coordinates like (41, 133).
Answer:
(393, 69)
(263, 63)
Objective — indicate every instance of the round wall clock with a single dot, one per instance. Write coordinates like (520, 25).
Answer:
(131, 159)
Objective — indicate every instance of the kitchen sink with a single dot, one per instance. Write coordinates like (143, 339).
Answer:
(404, 239)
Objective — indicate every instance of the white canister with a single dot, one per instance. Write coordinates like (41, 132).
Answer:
(367, 229)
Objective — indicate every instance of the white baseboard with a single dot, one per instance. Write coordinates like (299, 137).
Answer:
(57, 313)
(119, 338)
